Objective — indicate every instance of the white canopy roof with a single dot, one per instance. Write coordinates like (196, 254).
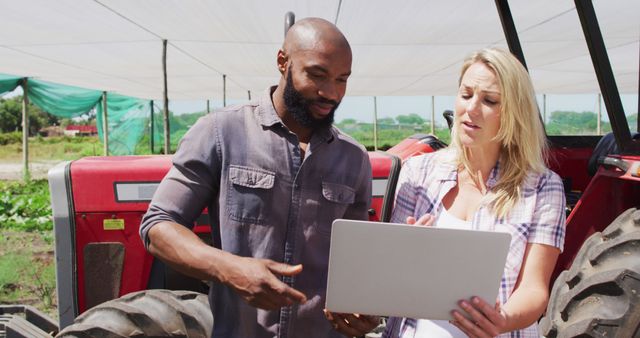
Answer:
(411, 47)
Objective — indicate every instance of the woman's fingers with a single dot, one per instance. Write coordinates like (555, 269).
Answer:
(469, 327)
(492, 313)
(482, 320)
(424, 220)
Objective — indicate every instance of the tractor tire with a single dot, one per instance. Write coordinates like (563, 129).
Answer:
(150, 313)
(599, 296)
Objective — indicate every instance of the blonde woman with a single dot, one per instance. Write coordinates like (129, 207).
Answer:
(492, 177)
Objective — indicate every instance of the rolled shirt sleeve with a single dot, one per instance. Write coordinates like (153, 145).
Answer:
(190, 184)
(548, 222)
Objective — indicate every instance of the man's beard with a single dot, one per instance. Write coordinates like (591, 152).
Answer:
(298, 106)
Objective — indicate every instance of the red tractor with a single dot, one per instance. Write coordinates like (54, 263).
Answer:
(98, 203)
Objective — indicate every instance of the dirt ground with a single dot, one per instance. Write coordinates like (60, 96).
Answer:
(13, 171)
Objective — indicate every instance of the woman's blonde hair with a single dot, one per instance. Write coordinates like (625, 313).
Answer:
(523, 141)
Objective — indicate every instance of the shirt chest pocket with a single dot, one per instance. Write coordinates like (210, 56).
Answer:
(336, 198)
(249, 196)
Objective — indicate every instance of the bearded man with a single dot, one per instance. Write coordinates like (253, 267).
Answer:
(273, 174)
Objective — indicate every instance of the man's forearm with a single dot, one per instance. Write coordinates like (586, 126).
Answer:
(181, 249)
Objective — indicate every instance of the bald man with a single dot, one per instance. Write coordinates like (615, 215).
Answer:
(273, 174)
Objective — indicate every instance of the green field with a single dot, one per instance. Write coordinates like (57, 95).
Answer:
(52, 149)
(27, 270)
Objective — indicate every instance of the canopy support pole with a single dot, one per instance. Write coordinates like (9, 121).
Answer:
(26, 175)
(224, 90)
(167, 136)
(208, 110)
(544, 109)
(433, 115)
(599, 129)
(375, 123)
(105, 124)
(152, 127)
(249, 94)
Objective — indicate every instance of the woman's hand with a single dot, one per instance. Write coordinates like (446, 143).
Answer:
(426, 220)
(482, 320)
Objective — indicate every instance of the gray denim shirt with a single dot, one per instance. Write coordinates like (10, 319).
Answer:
(265, 201)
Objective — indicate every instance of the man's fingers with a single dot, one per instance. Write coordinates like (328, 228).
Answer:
(342, 325)
(361, 323)
(291, 294)
(411, 220)
(265, 302)
(277, 295)
(352, 324)
(283, 269)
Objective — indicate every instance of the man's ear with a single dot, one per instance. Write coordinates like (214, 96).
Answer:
(282, 60)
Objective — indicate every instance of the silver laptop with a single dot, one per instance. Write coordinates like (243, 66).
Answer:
(410, 271)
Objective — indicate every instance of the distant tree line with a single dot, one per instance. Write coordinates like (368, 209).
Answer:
(390, 130)
(11, 117)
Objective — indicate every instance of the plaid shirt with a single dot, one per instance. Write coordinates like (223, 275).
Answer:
(538, 216)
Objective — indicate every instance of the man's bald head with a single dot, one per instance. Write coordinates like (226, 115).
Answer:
(313, 34)
(315, 63)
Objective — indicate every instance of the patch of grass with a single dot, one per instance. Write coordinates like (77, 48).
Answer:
(27, 270)
(53, 149)
(10, 278)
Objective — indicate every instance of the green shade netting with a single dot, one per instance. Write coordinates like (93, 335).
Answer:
(8, 83)
(179, 125)
(127, 118)
(133, 123)
(62, 100)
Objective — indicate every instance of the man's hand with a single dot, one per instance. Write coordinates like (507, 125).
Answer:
(256, 282)
(352, 324)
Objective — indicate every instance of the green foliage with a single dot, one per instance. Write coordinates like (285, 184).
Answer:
(10, 138)
(410, 119)
(388, 134)
(386, 121)
(11, 116)
(574, 123)
(25, 206)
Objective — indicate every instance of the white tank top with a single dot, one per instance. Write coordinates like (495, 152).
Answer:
(440, 328)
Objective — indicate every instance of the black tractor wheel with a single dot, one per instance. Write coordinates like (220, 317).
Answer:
(600, 295)
(150, 313)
